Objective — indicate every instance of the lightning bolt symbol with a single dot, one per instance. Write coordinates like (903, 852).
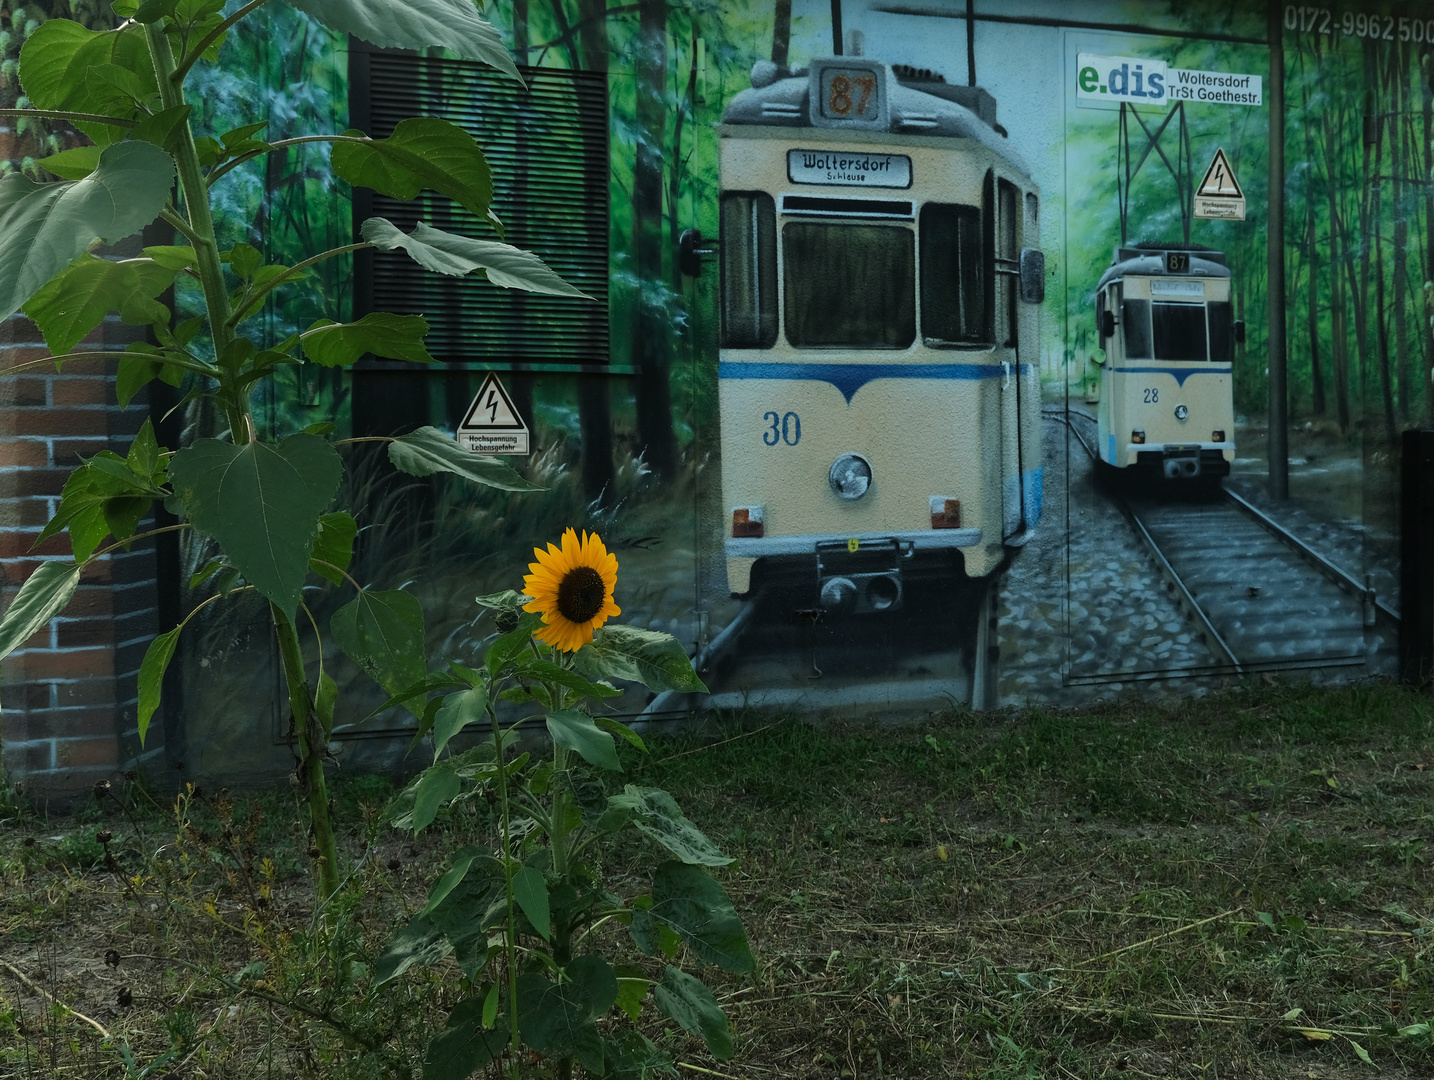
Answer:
(492, 406)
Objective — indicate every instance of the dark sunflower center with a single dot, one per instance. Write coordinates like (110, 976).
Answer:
(581, 594)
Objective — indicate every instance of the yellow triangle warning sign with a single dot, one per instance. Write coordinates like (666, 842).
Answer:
(1219, 195)
(492, 424)
(1220, 182)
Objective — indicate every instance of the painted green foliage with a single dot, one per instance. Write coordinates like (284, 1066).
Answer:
(1360, 215)
(1342, 355)
(262, 501)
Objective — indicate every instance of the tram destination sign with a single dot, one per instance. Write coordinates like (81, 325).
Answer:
(848, 169)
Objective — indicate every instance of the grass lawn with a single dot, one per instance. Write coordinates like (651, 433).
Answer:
(1234, 887)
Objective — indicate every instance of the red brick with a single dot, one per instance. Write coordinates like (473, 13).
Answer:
(32, 513)
(78, 723)
(99, 571)
(14, 726)
(98, 367)
(19, 329)
(66, 791)
(66, 453)
(136, 628)
(82, 390)
(59, 422)
(14, 571)
(72, 664)
(40, 639)
(14, 351)
(24, 453)
(84, 633)
(83, 753)
(26, 696)
(14, 544)
(90, 602)
(21, 390)
(33, 482)
(85, 692)
(34, 756)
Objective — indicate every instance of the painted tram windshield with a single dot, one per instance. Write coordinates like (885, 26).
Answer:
(849, 285)
(1188, 332)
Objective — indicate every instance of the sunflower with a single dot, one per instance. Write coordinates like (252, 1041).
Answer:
(572, 589)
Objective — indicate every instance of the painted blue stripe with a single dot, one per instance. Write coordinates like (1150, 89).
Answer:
(1180, 373)
(1035, 496)
(849, 378)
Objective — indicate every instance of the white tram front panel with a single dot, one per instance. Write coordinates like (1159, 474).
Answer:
(1167, 382)
(879, 385)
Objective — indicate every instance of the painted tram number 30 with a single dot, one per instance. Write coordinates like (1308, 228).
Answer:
(785, 429)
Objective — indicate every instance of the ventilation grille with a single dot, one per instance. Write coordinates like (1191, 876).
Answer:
(547, 145)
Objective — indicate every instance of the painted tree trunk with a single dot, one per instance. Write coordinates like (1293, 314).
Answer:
(652, 347)
(1381, 320)
(1317, 397)
(1426, 65)
(594, 391)
(1339, 333)
(781, 31)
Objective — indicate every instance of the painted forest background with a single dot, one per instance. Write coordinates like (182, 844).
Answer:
(1359, 201)
(1360, 225)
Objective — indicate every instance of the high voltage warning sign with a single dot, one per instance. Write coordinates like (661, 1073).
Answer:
(1219, 195)
(492, 425)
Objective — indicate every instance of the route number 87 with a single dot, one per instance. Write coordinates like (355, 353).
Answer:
(840, 101)
(786, 428)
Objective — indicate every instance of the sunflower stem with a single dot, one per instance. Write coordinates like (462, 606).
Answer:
(558, 838)
(510, 939)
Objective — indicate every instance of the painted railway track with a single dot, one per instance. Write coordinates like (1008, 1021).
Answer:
(1260, 597)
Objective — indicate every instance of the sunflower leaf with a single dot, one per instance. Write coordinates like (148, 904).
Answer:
(262, 502)
(574, 730)
(687, 900)
(687, 1000)
(428, 451)
(654, 659)
(457, 712)
(549, 672)
(655, 814)
(382, 632)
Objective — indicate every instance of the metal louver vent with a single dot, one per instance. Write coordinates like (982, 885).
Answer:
(547, 145)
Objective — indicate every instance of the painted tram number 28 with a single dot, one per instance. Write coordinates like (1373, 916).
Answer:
(786, 428)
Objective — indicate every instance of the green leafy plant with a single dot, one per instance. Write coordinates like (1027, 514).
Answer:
(527, 923)
(264, 502)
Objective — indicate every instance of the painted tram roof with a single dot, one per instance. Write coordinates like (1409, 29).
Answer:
(1148, 260)
(922, 103)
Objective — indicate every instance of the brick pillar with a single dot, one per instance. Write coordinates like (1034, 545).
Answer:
(68, 704)
(68, 698)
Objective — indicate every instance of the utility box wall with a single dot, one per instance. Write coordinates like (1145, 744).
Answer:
(931, 362)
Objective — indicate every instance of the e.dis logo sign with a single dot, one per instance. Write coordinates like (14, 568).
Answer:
(1120, 78)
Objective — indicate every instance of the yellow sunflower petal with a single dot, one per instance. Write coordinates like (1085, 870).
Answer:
(550, 589)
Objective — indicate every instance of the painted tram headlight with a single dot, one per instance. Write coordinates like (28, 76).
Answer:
(850, 476)
(1181, 412)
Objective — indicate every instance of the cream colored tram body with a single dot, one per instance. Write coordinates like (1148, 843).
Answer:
(1166, 406)
(879, 382)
